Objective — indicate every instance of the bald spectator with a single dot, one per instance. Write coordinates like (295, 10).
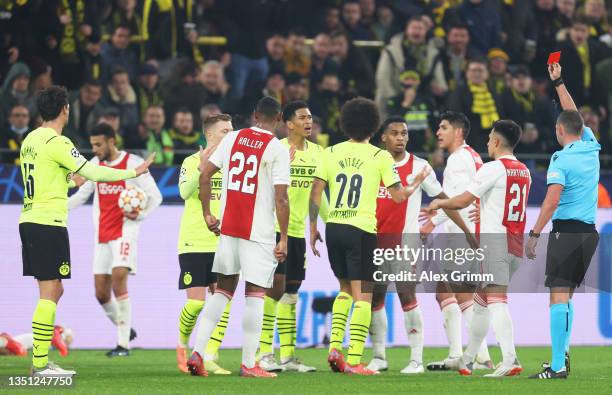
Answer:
(409, 50)
(211, 76)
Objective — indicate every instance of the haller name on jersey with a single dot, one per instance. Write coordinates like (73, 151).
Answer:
(255, 144)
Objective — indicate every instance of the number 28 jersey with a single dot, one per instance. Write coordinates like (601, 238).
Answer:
(252, 161)
(503, 187)
(354, 172)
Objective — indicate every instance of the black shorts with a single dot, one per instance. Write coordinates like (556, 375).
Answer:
(571, 245)
(196, 269)
(350, 251)
(45, 251)
(295, 264)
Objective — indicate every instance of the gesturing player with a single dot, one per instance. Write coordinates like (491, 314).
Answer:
(354, 171)
(456, 299)
(47, 160)
(282, 298)
(197, 245)
(255, 179)
(571, 202)
(394, 219)
(116, 232)
(503, 187)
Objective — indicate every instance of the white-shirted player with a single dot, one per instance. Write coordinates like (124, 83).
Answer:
(116, 232)
(255, 167)
(393, 221)
(503, 187)
(454, 299)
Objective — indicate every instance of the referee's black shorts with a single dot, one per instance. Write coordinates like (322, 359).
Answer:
(294, 267)
(571, 245)
(350, 251)
(45, 251)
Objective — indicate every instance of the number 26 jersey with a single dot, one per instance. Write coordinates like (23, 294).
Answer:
(253, 161)
(354, 172)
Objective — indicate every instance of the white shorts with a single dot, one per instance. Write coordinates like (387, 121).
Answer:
(498, 262)
(254, 260)
(121, 252)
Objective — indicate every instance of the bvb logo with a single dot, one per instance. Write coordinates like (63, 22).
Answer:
(64, 269)
(187, 278)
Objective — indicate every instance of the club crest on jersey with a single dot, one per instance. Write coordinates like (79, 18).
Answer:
(187, 278)
(64, 269)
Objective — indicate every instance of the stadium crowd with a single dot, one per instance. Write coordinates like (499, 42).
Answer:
(143, 68)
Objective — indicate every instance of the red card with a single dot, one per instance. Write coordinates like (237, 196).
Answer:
(554, 57)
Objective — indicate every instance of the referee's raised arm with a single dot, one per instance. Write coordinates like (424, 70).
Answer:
(571, 202)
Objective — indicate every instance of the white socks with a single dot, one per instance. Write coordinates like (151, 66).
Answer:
(124, 320)
(378, 332)
(413, 321)
(468, 316)
(504, 331)
(452, 326)
(112, 310)
(210, 316)
(252, 321)
(478, 328)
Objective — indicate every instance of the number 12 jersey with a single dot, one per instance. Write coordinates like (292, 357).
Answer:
(253, 161)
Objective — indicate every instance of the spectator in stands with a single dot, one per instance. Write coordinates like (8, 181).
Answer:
(592, 119)
(92, 59)
(417, 108)
(580, 57)
(275, 87)
(355, 70)
(534, 114)
(209, 109)
(183, 89)
(321, 59)
(317, 135)
(17, 130)
(84, 108)
(117, 53)
(148, 92)
(112, 117)
(483, 21)
(549, 21)
(40, 77)
(596, 12)
(275, 49)
(368, 13)
(297, 55)
(156, 138)
(478, 102)
(383, 23)
(211, 77)
(126, 14)
(296, 87)
(498, 70)
(409, 50)
(121, 96)
(454, 59)
(15, 90)
(351, 17)
(164, 29)
(566, 8)
(184, 137)
(519, 30)
(326, 102)
(332, 22)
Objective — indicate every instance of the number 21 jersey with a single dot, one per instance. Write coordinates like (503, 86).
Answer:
(253, 161)
(354, 172)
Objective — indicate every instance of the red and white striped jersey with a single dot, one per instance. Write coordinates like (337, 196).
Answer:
(108, 218)
(460, 171)
(253, 161)
(403, 217)
(503, 187)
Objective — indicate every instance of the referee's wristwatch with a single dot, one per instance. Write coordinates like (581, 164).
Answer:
(533, 234)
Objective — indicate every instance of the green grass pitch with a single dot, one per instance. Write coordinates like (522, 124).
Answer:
(155, 372)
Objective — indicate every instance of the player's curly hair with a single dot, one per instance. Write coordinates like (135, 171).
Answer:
(51, 101)
(359, 118)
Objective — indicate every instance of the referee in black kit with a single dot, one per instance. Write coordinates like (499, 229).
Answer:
(571, 201)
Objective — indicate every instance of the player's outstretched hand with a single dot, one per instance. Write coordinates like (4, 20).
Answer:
(474, 214)
(78, 180)
(314, 237)
(554, 71)
(144, 166)
(205, 154)
(280, 252)
(213, 224)
(530, 247)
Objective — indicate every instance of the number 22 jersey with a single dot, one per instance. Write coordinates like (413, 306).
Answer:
(253, 161)
(354, 172)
